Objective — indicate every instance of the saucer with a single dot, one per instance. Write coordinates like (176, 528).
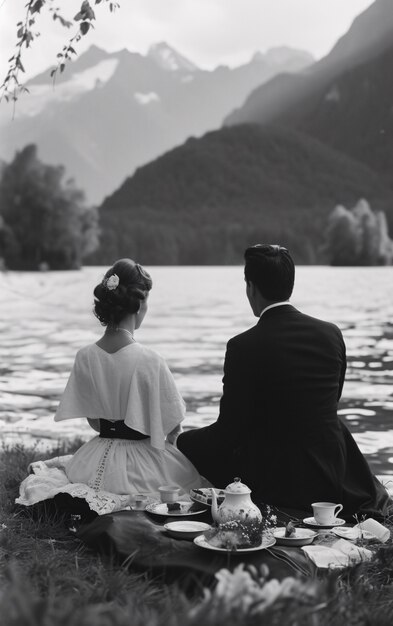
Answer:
(184, 508)
(302, 537)
(311, 521)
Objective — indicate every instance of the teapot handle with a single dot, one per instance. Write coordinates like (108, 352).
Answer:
(214, 508)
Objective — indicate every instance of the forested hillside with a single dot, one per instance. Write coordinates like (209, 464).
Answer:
(203, 202)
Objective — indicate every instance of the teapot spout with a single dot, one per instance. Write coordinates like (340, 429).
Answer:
(214, 505)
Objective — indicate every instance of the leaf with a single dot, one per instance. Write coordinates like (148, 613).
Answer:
(37, 6)
(53, 72)
(62, 66)
(28, 38)
(19, 64)
(59, 55)
(71, 49)
(65, 23)
(85, 13)
(19, 34)
(84, 27)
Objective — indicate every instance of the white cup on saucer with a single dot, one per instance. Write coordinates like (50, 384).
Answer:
(169, 493)
(325, 513)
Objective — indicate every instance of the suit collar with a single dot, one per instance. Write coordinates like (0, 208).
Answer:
(277, 311)
(274, 306)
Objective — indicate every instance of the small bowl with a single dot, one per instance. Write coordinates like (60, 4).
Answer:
(303, 537)
(186, 529)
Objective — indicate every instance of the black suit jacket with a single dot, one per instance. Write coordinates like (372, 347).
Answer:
(278, 428)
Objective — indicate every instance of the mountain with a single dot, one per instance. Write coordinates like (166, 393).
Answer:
(369, 36)
(170, 59)
(354, 114)
(204, 202)
(109, 113)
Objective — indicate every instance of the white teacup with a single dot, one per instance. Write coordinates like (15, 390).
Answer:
(138, 501)
(326, 512)
(169, 493)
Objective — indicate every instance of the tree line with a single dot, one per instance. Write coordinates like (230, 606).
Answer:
(45, 224)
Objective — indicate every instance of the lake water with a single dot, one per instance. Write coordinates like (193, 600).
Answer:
(46, 317)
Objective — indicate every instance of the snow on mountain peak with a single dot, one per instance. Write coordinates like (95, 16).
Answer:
(78, 83)
(146, 98)
(169, 59)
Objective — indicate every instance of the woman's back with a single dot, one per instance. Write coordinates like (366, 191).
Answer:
(128, 394)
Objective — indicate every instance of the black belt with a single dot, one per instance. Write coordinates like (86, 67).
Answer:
(118, 430)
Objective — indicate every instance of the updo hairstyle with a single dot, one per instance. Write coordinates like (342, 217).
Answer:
(112, 304)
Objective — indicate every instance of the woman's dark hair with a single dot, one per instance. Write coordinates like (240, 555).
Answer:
(122, 295)
(271, 268)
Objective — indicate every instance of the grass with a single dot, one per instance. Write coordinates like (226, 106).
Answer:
(49, 578)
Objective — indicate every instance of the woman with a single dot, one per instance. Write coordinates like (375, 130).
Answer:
(129, 396)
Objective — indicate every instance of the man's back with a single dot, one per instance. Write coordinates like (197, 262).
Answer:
(293, 367)
(278, 427)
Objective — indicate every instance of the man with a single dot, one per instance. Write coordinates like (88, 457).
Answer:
(278, 427)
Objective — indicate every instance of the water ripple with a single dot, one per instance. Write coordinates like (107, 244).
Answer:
(46, 318)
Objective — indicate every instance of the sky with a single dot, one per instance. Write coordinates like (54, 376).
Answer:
(208, 32)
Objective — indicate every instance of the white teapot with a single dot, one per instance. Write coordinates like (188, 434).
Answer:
(237, 505)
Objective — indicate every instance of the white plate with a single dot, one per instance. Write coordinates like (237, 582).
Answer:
(186, 529)
(311, 521)
(205, 497)
(302, 537)
(353, 533)
(161, 508)
(202, 542)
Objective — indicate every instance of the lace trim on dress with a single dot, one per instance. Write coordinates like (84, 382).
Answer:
(101, 503)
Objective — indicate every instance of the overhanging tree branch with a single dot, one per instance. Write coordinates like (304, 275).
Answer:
(12, 87)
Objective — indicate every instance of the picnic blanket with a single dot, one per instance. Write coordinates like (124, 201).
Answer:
(142, 544)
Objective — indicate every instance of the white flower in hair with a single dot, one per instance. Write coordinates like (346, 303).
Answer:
(112, 282)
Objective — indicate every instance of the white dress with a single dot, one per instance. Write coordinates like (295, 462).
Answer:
(134, 385)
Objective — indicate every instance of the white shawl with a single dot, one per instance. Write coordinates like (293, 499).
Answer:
(133, 384)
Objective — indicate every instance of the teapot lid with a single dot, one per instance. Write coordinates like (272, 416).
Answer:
(237, 487)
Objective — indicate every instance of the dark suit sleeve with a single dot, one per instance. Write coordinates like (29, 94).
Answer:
(343, 365)
(214, 449)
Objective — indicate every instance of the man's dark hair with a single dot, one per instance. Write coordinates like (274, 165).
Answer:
(271, 268)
